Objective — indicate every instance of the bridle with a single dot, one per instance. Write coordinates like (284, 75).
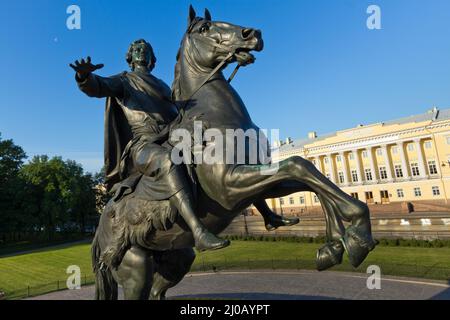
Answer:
(231, 54)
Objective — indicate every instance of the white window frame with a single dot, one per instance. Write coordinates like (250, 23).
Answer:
(417, 192)
(400, 193)
(383, 173)
(398, 171)
(415, 171)
(432, 164)
(355, 177)
(341, 177)
(436, 191)
(368, 174)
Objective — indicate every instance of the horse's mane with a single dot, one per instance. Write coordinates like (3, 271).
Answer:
(176, 86)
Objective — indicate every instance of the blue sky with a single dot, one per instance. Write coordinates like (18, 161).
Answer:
(321, 70)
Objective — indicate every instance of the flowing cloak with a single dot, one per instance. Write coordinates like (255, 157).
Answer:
(119, 137)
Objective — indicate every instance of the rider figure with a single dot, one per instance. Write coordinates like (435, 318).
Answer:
(141, 103)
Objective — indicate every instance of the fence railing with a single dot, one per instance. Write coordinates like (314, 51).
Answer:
(203, 264)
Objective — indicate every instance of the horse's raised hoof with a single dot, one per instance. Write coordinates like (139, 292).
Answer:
(277, 221)
(357, 244)
(329, 255)
(205, 240)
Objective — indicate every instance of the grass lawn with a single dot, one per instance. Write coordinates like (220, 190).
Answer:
(42, 270)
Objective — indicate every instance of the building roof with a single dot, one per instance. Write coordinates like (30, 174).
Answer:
(434, 115)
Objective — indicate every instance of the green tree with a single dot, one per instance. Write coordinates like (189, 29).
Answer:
(58, 194)
(11, 160)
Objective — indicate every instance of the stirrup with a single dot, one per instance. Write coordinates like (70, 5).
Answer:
(357, 244)
(329, 255)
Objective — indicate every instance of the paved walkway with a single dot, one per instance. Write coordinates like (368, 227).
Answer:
(286, 285)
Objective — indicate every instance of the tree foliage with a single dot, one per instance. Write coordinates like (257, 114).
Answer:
(45, 195)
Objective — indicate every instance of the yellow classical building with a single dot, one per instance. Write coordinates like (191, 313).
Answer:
(396, 164)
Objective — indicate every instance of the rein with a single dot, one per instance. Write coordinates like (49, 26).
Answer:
(231, 53)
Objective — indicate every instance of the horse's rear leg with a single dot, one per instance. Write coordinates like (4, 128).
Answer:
(170, 269)
(135, 274)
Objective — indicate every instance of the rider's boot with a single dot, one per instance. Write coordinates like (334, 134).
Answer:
(204, 240)
(274, 221)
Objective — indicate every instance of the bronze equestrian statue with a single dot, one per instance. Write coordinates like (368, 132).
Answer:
(160, 210)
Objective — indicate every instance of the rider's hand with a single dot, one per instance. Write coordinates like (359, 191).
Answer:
(85, 68)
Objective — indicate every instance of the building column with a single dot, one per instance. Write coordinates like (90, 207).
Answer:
(405, 169)
(345, 168)
(372, 165)
(318, 164)
(358, 166)
(387, 163)
(331, 168)
(420, 159)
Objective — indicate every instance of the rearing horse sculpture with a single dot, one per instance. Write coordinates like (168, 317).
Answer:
(158, 258)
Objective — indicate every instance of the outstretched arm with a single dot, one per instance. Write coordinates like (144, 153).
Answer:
(94, 85)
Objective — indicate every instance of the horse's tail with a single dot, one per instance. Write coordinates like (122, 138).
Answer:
(105, 285)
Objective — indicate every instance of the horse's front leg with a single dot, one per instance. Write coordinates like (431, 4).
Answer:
(357, 240)
(331, 253)
(245, 183)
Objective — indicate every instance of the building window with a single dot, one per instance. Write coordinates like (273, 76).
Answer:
(325, 160)
(351, 156)
(302, 200)
(400, 193)
(355, 195)
(316, 199)
(448, 140)
(338, 158)
(432, 168)
(291, 200)
(383, 173)
(328, 176)
(415, 169)
(394, 150)
(417, 192)
(364, 154)
(427, 144)
(436, 191)
(368, 174)
(379, 152)
(341, 177)
(398, 171)
(281, 201)
(369, 197)
(410, 147)
(354, 176)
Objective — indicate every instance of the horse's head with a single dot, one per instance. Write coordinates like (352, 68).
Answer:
(210, 42)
